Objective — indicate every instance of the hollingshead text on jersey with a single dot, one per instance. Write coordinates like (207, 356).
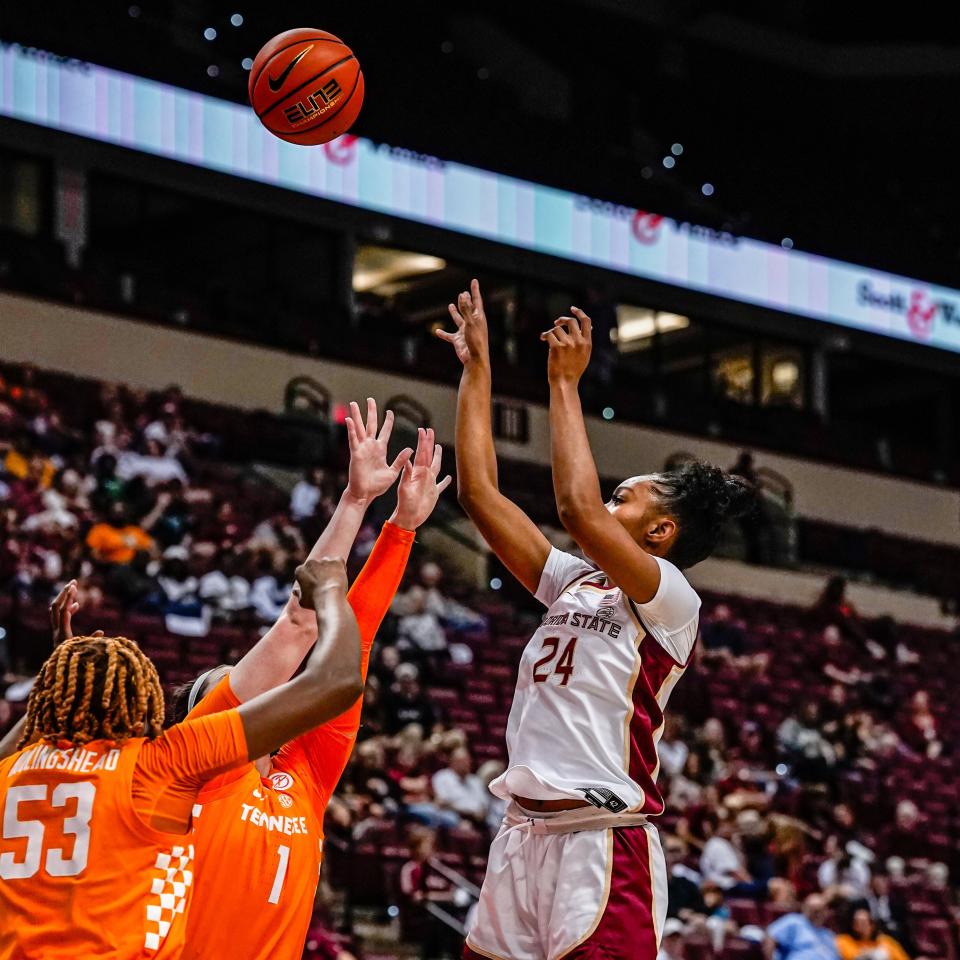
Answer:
(75, 760)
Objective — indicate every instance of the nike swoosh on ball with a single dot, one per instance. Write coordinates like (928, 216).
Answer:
(277, 82)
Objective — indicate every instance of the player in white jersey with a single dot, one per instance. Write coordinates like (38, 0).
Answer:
(576, 870)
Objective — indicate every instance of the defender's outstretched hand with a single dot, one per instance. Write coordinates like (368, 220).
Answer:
(470, 340)
(570, 342)
(370, 474)
(419, 491)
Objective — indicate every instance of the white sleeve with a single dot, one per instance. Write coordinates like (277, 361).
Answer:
(560, 570)
(672, 615)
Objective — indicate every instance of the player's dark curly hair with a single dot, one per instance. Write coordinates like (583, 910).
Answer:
(701, 497)
(93, 688)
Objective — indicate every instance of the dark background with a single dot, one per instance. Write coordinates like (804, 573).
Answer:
(831, 124)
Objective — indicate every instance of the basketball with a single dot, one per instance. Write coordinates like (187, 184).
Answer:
(306, 86)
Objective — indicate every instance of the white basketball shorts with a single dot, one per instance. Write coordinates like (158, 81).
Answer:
(585, 894)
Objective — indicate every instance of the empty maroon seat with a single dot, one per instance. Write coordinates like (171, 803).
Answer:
(697, 948)
(745, 912)
(481, 699)
(739, 949)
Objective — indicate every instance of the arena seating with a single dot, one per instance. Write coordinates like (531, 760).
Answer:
(881, 696)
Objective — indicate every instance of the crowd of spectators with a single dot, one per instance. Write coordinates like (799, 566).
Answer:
(142, 511)
(793, 826)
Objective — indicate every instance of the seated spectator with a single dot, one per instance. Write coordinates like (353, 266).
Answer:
(722, 861)
(51, 436)
(26, 496)
(672, 944)
(804, 746)
(307, 494)
(802, 935)
(405, 702)
(425, 596)
(863, 940)
(672, 748)
(907, 836)
(384, 663)
(887, 905)
(719, 921)
(367, 777)
(683, 884)
(271, 589)
(172, 515)
(168, 431)
(722, 632)
(177, 581)
(23, 461)
(751, 747)
(62, 503)
(497, 806)
(153, 464)
(420, 634)
(103, 486)
(277, 533)
(116, 539)
(418, 885)
(224, 588)
(373, 723)
(919, 730)
(457, 788)
(410, 776)
(133, 585)
(845, 875)
(712, 746)
(687, 787)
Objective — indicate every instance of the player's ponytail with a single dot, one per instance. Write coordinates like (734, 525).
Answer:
(702, 498)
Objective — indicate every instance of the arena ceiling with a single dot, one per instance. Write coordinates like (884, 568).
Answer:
(832, 125)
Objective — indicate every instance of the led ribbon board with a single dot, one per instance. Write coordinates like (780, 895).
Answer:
(118, 108)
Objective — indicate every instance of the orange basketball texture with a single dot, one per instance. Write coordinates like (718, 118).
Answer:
(306, 86)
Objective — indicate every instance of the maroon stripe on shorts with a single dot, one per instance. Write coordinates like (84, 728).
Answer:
(626, 929)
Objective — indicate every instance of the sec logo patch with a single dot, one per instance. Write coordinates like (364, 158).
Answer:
(285, 800)
(281, 781)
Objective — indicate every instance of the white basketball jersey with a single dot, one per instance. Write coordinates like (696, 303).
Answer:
(593, 683)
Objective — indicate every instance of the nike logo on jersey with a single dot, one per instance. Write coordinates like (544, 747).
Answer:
(277, 82)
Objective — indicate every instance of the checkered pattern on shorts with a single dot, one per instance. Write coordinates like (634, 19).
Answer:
(168, 894)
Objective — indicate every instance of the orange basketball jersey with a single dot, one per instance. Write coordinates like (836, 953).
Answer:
(82, 874)
(259, 841)
(258, 904)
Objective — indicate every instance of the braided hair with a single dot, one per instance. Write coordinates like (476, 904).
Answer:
(94, 688)
(702, 498)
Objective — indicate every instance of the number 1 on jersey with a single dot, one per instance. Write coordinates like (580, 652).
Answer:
(283, 852)
(564, 665)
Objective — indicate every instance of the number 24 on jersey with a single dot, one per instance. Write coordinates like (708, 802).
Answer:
(543, 668)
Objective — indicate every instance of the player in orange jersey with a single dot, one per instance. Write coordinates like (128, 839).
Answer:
(259, 830)
(96, 854)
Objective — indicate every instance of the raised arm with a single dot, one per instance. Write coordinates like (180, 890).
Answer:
(510, 533)
(281, 650)
(576, 484)
(330, 681)
(62, 609)
(327, 748)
